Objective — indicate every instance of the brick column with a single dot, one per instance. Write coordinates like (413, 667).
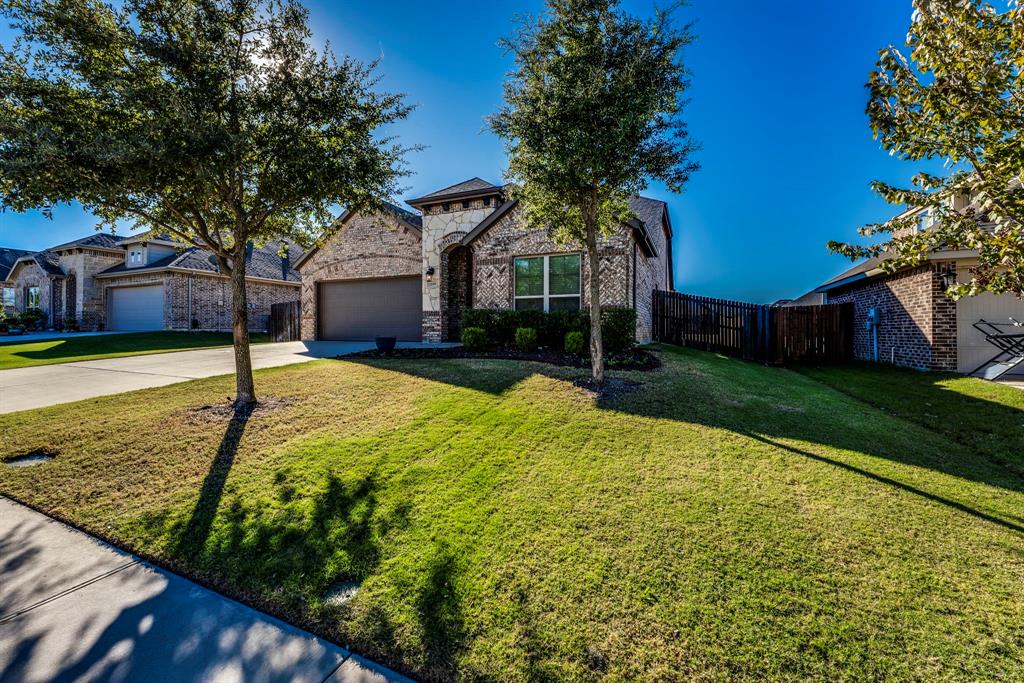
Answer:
(944, 328)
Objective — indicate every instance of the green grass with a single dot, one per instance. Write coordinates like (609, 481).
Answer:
(724, 522)
(17, 354)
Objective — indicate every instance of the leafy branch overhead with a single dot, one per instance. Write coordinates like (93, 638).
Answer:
(955, 94)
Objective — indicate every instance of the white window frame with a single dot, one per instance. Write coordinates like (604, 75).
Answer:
(547, 296)
(38, 297)
(10, 302)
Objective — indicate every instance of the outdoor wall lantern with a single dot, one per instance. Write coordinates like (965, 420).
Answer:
(430, 272)
(948, 276)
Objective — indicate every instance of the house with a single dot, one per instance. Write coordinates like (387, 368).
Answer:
(8, 297)
(410, 274)
(918, 326)
(147, 282)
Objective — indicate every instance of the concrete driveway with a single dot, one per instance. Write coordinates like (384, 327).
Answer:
(75, 609)
(47, 385)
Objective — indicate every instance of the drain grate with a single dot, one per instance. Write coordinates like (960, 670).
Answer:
(30, 459)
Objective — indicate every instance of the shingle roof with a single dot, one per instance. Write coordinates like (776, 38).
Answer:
(49, 262)
(7, 259)
(469, 187)
(649, 211)
(104, 240)
(858, 272)
(405, 214)
(264, 262)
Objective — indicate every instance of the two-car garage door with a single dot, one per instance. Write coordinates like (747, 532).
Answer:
(135, 308)
(364, 309)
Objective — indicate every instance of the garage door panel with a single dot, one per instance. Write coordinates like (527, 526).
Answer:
(364, 309)
(136, 308)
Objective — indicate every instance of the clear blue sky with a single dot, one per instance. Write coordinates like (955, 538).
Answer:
(777, 103)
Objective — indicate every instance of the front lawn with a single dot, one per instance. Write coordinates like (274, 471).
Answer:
(20, 354)
(724, 521)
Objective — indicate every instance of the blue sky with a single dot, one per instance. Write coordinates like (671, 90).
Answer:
(777, 102)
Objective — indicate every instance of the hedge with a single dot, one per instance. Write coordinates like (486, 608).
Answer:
(618, 326)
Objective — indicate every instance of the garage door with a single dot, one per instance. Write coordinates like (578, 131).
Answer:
(973, 349)
(136, 308)
(364, 309)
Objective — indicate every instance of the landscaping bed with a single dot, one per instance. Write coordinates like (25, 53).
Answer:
(634, 359)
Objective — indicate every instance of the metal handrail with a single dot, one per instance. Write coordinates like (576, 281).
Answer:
(1011, 346)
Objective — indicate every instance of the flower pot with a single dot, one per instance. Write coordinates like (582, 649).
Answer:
(385, 343)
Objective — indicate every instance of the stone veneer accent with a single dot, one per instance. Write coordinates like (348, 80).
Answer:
(918, 321)
(32, 275)
(365, 246)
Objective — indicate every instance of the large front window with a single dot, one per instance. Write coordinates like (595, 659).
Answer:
(548, 283)
(32, 297)
(8, 296)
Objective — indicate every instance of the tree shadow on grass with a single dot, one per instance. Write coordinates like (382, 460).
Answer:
(767, 404)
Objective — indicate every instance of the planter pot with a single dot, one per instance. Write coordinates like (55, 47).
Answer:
(385, 343)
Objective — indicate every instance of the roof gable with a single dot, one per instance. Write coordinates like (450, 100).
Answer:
(407, 218)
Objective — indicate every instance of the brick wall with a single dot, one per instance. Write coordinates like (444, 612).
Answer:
(371, 245)
(650, 273)
(918, 321)
(89, 298)
(31, 275)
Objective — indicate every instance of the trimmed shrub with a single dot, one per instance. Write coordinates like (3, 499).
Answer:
(575, 343)
(32, 318)
(526, 339)
(474, 338)
(484, 318)
(555, 325)
(618, 329)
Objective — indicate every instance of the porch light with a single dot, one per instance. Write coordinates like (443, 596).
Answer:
(430, 272)
(948, 276)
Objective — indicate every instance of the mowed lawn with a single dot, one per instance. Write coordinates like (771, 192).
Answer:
(726, 521)
(20, 354)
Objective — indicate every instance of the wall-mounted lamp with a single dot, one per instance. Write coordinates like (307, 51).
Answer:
(948, 277)
(430, 272)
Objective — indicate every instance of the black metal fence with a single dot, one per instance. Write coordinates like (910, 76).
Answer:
(766, 334)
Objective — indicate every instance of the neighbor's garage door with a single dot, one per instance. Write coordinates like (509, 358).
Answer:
(136, 308)
(364, 309)
(973, 349)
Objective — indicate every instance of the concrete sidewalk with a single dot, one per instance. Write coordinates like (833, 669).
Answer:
(47, 385)
(75, 609)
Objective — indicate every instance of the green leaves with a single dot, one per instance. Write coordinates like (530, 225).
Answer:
(958, 97)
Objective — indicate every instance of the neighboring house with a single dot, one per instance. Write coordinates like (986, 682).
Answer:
(8, 293)
(410, 275)
(918, 325)
(148, 282)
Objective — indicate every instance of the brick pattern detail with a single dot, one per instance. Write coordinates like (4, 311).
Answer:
(918, 321)
(370, 245)
(432, 327)
(456, 290)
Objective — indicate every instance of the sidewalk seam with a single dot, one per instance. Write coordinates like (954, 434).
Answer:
(45, 601)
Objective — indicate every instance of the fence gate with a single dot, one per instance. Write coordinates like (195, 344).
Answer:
(766, 334)
(285, 321)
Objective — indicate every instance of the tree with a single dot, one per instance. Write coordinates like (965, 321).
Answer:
(214, 121)
(592, 112)
(958, 97)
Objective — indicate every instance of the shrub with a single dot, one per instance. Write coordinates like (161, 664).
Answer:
(555, 325)
(526, 339)
(574, 343)
(474, 338)
(484, 318)
(71, 325)
(618, 329)
(31, 318)
(505, 325)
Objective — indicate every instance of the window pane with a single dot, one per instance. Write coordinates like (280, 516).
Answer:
(564, 277)
(529, 304)
(8, 296)
(564, 303)
(32, 300)
(529, 276)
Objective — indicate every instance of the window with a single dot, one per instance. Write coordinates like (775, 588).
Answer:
(135, 256)
(8, 299)
(32, 297)
(548, 283)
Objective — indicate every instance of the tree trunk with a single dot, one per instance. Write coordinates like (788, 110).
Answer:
(594, 267)
(245, 389)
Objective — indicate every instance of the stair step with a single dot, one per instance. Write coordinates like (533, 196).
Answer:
(997, 370)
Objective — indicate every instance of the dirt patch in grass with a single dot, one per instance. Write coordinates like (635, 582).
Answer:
(637, 359)
(223, 412)
(613, 387)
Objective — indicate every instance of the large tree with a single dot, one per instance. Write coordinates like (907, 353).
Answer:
(592, 113)
(215, 121)
(956, 95)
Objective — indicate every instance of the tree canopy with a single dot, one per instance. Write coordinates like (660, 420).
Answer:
(592, 113)
(955, 94)
(215, 121)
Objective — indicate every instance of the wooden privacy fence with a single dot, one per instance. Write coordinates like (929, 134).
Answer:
(285, 321)
(766, 334)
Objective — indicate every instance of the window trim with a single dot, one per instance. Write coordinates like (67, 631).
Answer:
(28, 296)
(546, 296)
(13, 292)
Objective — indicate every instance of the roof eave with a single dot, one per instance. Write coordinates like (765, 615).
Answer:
(455, 196)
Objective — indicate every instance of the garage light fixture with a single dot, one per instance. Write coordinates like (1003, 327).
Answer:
(430, 272)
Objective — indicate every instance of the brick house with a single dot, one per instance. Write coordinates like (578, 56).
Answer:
(918, 325)
(410, 274)
(146, 282)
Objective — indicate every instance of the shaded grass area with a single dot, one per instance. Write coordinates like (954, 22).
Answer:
(15, 354)
(984, 416)
(725, 521)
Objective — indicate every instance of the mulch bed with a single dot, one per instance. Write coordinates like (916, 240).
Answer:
(637, 359)
(224, 412)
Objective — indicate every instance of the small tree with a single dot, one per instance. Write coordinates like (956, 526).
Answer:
(958, 97)
(592, 112)
(212, 120)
